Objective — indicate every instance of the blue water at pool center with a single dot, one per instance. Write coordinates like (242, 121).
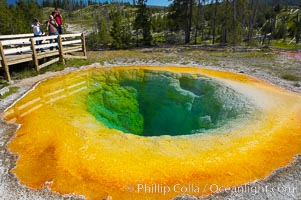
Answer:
(156, 103)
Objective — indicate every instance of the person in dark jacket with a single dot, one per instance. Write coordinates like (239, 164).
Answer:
(59, 20)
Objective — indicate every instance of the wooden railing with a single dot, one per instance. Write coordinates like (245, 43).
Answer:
(15, 49)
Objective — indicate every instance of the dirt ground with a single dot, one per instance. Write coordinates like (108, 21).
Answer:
(283, 183)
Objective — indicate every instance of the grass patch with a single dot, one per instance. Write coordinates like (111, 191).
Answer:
(24, 73)
(3, 83)
(52, 68)
(280, 44)
(11, 91)
(290, 77)
(78, 62)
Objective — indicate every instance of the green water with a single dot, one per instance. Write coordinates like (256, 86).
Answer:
(162, 103)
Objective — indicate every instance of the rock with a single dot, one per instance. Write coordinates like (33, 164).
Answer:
(204, 121)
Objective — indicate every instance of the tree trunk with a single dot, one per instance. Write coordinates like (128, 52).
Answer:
(254, 7)
(197, 22)
(298, 29)
(188, 21)
(202, 20)
(214, 21)
(226, 23)
(234, 42)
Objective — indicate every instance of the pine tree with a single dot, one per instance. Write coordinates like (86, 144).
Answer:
(143, 22)
(24, 13)
(253, 9)
(104, 34)
(214, 20)
(4, 18)
(116, 31)
(181, 16)
(126, 33)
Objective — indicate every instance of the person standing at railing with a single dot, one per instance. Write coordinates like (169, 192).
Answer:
(59, 20)
(37, 32)
(52, 28)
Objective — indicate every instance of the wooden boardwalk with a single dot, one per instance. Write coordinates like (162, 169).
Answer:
(15, 49)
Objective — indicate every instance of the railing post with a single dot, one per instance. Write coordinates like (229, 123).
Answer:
(4, 63)
(83, 44)
(61, 49)
(34, 54)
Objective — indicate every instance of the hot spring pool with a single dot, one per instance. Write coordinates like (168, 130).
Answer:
(135, 132)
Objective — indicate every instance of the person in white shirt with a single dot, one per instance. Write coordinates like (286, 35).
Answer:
(37, 31)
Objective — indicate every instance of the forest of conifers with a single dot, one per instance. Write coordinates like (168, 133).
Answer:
(121, 25)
